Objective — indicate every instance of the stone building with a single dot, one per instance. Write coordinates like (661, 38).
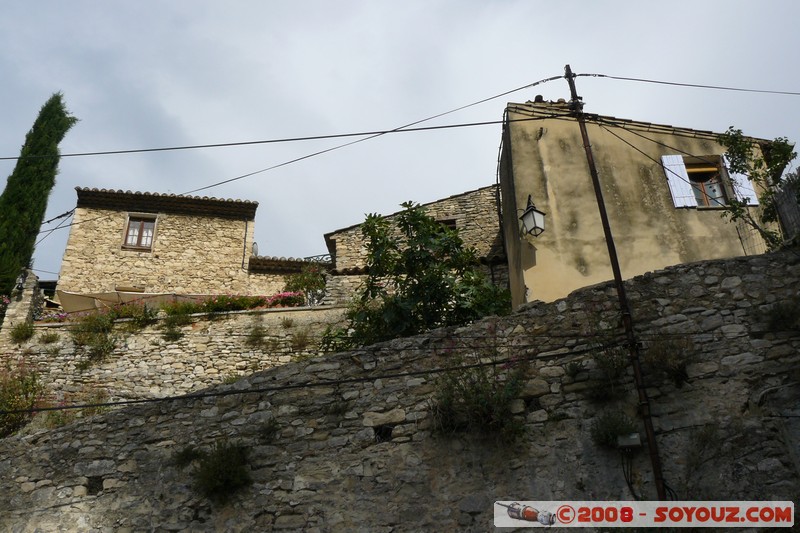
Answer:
(126, 245)
(663, 188)
(474, 213)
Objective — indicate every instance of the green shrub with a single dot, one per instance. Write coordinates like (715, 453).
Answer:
(89, 327)
(478, 400)
(139, 315)
(93, 331)
(256, 337)
(222, 471)
(310, 281)
(19, 389)
(225, 303)
(171, 323)
(22, 332)
(49, 337)
(573, 368)
(612, 362)
(62, 417)
(182, 308)
(783, 316)
(607, 427)
(300, 340)
(670, 355)
(186, 456)
(269, 431)
(420, 277)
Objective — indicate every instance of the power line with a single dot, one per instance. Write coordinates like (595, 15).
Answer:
(394, 130)
(404, 128)
(694, 85)
(297, 139)
(285, 163)
(717, 201)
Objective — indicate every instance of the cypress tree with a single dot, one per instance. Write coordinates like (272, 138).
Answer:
(24, 200)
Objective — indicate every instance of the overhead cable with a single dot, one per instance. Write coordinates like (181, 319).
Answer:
(694, 85)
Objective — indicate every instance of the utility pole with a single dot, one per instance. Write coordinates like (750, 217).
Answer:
(576, 106)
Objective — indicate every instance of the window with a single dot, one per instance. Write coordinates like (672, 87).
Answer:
(140, 231)
(705, 182)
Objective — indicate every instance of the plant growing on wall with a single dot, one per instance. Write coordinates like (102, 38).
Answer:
(764, 171)
(478, 399)
(219, 472)
(94, 332)
(20, 389)
(420, 276)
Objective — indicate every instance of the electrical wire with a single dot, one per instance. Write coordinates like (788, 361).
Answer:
(716, 201)
(450, 126)
(340, 146)
(376, 133)
(693, 85)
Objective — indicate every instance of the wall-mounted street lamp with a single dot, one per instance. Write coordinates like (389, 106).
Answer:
(532, 220)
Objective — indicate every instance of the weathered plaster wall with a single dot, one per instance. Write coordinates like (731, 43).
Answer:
(547, 160)
(355, 448)
(476, 217)
(145, 365)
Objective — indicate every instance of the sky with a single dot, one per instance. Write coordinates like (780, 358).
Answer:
(153, 74)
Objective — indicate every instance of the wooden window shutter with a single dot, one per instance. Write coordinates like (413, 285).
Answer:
(742, 186)
(678, 179)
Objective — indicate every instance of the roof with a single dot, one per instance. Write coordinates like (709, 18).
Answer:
(329, 236)
(282, 265)
(165, 203)
(560, 110)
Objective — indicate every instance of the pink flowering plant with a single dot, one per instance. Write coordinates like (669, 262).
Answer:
(287, 299)
(4, 301)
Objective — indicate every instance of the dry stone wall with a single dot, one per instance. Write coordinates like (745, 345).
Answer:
(145, 364)
(346, 442)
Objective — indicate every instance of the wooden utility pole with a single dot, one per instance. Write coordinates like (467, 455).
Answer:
(576, 106)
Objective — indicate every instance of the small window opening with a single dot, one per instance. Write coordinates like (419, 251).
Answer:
(383, 433)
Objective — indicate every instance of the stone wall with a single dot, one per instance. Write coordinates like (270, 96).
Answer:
(21, 307)
(210, 350)
(474, 214)
(190, 255)
(346, 442)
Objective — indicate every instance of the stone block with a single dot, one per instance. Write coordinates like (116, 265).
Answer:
(395, 416)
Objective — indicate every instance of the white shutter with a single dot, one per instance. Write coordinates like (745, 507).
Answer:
(678, 179)
(742, 186)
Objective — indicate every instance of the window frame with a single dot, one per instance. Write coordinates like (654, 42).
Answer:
(682, 188)
(141, 219)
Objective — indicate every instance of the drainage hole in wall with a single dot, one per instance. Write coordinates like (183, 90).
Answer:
(383, 433)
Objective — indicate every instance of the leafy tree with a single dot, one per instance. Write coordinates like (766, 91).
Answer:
(310, 281)
(24, 200)
(420, 276)
(765, 169)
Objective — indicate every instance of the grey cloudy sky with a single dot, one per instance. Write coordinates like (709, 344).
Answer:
(152, 74)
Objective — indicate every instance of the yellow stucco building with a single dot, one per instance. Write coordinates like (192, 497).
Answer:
(663, 188)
